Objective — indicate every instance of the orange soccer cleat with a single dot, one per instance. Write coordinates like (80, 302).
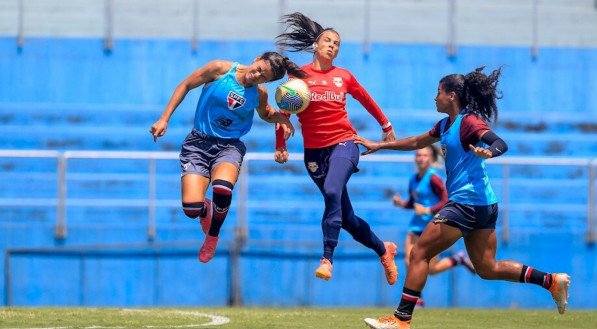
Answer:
(559, 290)
(387, 260)
(324, 271)
(387, 322)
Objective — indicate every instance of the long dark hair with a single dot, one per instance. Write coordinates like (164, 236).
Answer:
(281, 64)
(302, 33)
(477, 92)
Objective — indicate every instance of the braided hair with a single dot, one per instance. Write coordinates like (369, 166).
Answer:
(303, 33)
(476, 91)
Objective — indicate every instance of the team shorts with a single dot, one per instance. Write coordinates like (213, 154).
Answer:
(317, 161)
(467, 218)
(200, 153)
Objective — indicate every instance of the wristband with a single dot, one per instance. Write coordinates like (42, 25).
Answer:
(387, 127)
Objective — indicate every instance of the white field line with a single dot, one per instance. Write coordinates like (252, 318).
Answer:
(216, 320)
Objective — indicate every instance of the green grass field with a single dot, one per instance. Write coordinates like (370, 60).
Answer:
(247, 318)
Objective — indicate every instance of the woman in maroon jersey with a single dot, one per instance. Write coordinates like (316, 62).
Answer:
(330, 155)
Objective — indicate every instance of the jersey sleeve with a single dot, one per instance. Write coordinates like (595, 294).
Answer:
(435, 131)
(439, 188)
(359, 93)
(471, 129)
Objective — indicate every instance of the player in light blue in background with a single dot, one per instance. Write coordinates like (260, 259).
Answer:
(213, 152)
(427, 195)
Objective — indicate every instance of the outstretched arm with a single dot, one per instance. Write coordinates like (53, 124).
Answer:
(211, 71)
(360, 94)
(269, 114)
(405, 144)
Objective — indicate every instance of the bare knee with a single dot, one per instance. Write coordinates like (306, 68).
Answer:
(418, 255)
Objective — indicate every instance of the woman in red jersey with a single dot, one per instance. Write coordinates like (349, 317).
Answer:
(331, 155)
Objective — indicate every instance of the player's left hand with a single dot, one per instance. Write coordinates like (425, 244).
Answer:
(480, 151)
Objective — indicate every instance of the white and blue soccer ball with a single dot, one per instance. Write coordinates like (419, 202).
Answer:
(293, 96)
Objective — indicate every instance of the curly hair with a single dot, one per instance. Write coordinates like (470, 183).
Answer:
(476, 91)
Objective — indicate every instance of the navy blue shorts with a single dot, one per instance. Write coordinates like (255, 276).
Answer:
(317, 161)
(466, 217)
(200, 153)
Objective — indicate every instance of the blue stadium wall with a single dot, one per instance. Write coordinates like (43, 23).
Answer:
(138, 73)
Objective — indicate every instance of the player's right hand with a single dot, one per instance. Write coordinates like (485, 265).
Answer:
(371, 146)
(281, 155)
(158, 129)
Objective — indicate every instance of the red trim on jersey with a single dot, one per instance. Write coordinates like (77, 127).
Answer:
(471, 129)
(325, 121)
(439, 188)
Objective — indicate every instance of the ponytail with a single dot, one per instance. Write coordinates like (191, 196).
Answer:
(294, 70)
(280, 65)
(304, 33)
(481, 93)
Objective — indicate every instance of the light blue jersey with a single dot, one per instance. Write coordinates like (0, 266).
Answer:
(421, 192)
(225, 108)
(467, 182)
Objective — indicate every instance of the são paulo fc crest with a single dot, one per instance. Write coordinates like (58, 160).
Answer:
(235, 101)
(312, 166)
(444, 150)
(338, 81)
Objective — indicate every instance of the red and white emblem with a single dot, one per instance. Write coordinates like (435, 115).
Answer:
(235, 101)
(338, 81)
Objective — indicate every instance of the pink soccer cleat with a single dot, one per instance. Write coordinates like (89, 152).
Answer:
(208, 249)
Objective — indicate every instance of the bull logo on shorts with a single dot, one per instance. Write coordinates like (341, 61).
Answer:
(235, 101)
(312, 166)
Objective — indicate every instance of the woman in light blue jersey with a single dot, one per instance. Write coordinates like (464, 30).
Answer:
(471, 212)
(213, 152)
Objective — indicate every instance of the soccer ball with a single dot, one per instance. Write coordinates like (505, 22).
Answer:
(293, 96)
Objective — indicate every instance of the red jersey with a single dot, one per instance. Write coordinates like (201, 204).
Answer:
(325, 121)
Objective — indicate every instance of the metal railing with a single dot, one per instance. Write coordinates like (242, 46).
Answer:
(62, 200)
(236, 248)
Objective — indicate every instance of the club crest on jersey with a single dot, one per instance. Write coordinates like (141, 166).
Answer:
(235, 101)
(338, 81)
(312, 166)
(444, 150)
